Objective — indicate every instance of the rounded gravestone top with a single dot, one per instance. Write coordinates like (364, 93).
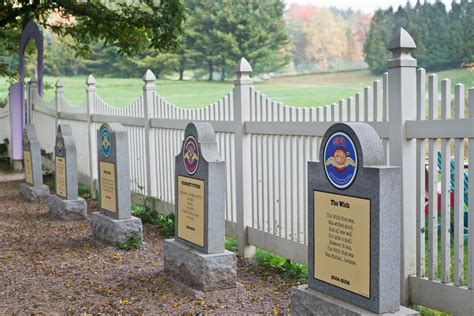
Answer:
(64, 129)
(346, 148)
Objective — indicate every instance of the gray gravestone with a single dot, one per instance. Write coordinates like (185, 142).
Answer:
(354, 226)
(197, 256)
(33, 190)
(66, 204)
(114, 222)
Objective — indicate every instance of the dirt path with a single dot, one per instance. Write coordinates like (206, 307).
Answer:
(50, 266)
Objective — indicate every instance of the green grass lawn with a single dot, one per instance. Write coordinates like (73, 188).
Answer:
(303, 90)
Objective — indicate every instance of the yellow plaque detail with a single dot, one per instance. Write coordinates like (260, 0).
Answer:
(342, 241)
(108, 199)
(61, 177)
(28, 167)
(191, 210)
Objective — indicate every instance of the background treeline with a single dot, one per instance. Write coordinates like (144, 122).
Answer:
(217, 34)
(444, 38)
(300, 39)
(275, 39)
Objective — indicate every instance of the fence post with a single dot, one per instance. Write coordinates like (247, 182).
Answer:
(149, 91)
(92, 133)
(32, 93)
(57, 100)
(242, 85)
(402, 107)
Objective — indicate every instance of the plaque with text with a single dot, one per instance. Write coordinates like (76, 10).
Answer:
(342, 241)
(28, 167)
(191, 210)
(107, 186)
(61, 177)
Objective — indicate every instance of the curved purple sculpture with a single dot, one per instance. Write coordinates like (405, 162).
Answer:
(32, 31)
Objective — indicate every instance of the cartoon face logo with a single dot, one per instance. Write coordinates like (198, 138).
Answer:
(59, 147)
(191, 155)
(340, 160)
(105, 142)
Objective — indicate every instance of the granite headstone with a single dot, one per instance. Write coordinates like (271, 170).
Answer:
(114, 222)
(66, 204)
(33, 190)
(197, 256)
(354, 225)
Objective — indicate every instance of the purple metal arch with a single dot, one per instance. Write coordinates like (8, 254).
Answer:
(32, 31)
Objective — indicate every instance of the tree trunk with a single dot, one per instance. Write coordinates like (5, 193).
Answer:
(223, 73)
(211, 72)
(181, 73)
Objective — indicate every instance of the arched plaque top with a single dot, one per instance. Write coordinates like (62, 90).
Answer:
(64, 129)
(346, 148)
(366, 141)
(113, 127)
(199, 142)
(30, 133)
(64, 136)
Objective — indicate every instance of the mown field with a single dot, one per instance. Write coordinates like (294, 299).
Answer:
(303, 90)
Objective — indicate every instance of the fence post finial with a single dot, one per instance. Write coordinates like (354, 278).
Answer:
(401, 45)
(402, 153)
(59, 86)
(242, 71)
(149, 79)
(90, 83)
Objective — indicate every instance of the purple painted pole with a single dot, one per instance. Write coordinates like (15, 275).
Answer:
(17, 111)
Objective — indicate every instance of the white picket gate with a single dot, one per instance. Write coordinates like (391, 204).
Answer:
(266, 146)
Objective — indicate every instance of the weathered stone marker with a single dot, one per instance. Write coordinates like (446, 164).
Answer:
(66, 204)
(33, 190)
(196, 257)
(114, 223)
(354, 228)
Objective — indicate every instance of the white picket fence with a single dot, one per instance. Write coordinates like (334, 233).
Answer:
(266, 146)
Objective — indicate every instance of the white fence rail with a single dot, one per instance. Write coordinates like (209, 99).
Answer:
(266, 146)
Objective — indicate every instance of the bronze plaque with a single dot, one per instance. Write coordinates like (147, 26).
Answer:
(28, 167)
(108, 196)
(342, 241)
(191, 210)
(61, 177)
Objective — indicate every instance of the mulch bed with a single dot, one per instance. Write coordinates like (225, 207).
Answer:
(51, 266)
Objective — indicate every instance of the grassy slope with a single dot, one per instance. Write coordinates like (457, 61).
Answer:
(304, 90)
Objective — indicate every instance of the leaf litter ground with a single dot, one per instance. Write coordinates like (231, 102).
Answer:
(51, 266)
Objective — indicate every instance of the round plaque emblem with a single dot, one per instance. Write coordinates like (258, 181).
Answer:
(60, 147)
(191, 155)
(105, 142)
(340, 160)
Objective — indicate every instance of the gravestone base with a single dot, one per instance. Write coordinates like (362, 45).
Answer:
(306, 301)
(67, 209)
(200, 271)
(34, 194)
(109, 230)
